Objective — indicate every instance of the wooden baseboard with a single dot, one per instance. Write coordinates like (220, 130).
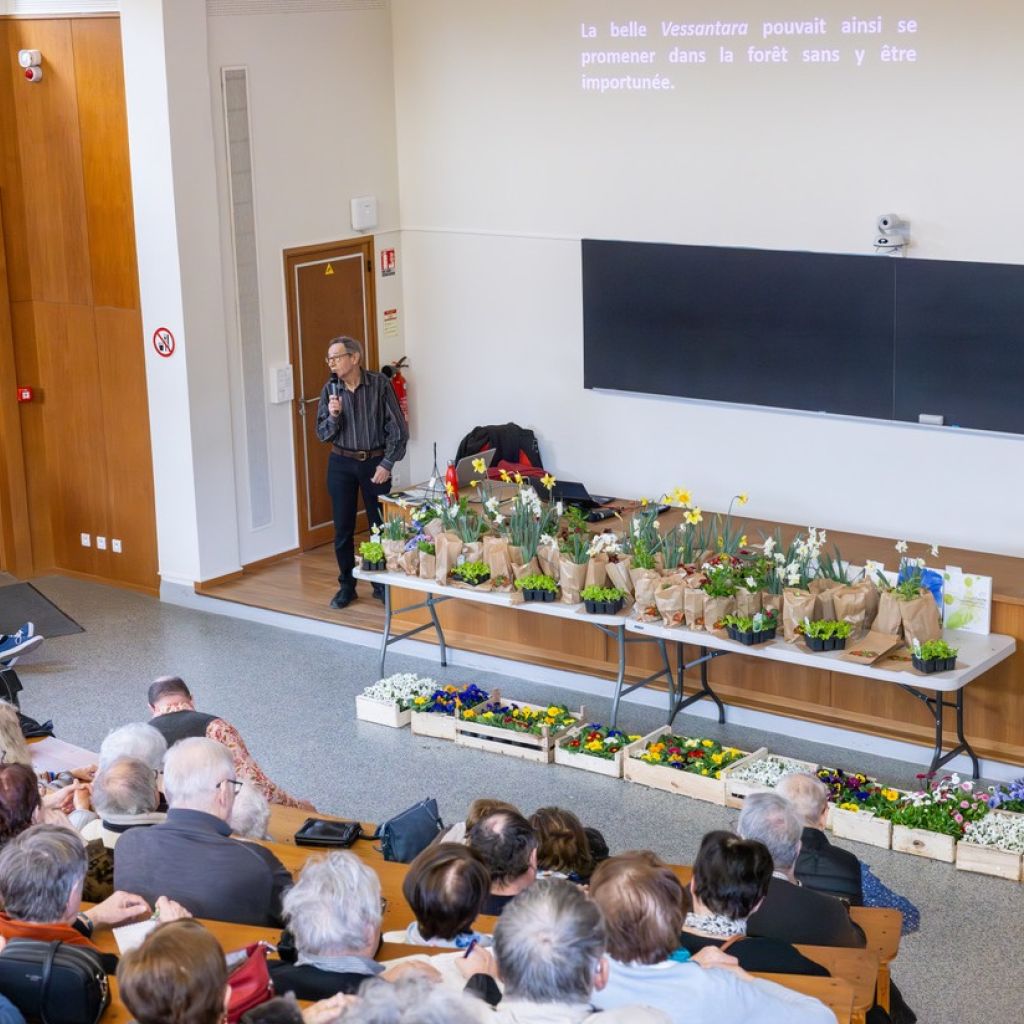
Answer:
(139, 588)
(205, 586)
(270, 560)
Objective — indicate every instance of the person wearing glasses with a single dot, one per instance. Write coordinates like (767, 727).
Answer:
(191, 857)
(359, 416)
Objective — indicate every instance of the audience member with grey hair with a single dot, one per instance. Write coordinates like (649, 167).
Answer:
(136, 739)
(125, 795)
(333, 913)
(191, 856)
(791, 912)
(414, 1000)
(549, 951)
(42, 871)
(250, 816)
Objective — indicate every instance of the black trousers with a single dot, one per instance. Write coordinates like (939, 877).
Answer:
(346, 478)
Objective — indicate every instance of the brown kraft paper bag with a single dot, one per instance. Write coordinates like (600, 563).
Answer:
(693, 608)
(668, 599)
(871, 597)
(889, 619)
(428, 566)
(716, 609)
(393, 550)
(410, 562)
(748, 603)
(920, 619)
(473, 551)
(447, 548)
(434, 528)
(548, 556)
(515, 554)
(645, 608)
(531, 568)
(618, 574)
(496, 557)
(597, 571)
(797, 605)
(772, 603)
(572, 578)
(851, 605)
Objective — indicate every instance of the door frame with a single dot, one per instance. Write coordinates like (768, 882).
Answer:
(295, 258)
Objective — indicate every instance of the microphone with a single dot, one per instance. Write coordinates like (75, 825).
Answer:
(334, 386)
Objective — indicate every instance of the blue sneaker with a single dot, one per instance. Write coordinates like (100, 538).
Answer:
(14, 645)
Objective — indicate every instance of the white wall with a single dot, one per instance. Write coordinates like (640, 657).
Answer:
(322, 125)
(505, 164)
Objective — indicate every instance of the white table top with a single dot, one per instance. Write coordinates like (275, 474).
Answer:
(978, 653)
(553, 609)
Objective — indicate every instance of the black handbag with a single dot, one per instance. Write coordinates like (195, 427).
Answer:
(319, 832)
(407, 834)
(53, 982)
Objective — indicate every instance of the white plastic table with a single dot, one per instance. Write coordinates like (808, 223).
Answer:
(978, 653)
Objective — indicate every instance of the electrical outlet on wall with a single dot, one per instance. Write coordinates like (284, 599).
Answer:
(101, 543)
(86, 541)
(115, 545)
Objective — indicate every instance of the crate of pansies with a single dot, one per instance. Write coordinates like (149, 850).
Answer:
(389, 701)
(529, 731)
(993, 846)
(433, 714)
(594, 748)
(861, 808)
(929, 822)
(690, 765)
(1008, 798)
(759, 773)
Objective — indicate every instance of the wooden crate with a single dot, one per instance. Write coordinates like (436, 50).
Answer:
(862, 827)
(737, 790)
(988, 860)
(659, 776)
(602, 766)
(440, 727)
(921, 843)
(539, 747)
(381, 714)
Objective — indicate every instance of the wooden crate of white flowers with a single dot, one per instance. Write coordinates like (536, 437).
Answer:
(993, 846)
(759, 773)
(389, 701)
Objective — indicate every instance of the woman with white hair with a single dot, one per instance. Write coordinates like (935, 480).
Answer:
(250, 815)
(333, 913)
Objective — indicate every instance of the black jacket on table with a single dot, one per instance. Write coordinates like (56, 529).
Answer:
(829, 869)
(769, 956)
(309, 982)
(804, 917)
(192, 858)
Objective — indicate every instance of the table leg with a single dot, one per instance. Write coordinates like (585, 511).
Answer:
(937, 705)
(431, 603)
(620, 689)
(705, 686)
(620, 643)
(387, 630)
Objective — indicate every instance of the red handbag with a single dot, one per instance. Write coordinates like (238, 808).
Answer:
(251, 984)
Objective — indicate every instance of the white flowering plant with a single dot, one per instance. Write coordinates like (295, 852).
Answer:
(998, 830)
(400, 689)
(768, 770)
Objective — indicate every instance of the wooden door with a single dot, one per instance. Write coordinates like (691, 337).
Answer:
(330, 293)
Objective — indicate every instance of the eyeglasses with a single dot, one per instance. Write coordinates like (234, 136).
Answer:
(383, 905)
(330, 360)
(233, 783)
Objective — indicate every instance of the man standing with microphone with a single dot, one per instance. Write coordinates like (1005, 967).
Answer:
(361, 418)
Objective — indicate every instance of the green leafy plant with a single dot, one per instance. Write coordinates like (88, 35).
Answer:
(536, 581)
(832, 567)
(932, 649)
(721, 581)
(577, 547)
(601, 594)
(643, 557)
(728, 536)
(945, 806)
(642, 539)
(910, 588)
(372, 551)
(471, 572)
(469, 525)
(427, 547)
(396, 528)
(827, 629)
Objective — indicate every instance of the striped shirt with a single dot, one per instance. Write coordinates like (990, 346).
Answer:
(371, 418)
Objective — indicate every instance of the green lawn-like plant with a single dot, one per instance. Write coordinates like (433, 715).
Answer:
(471, 572)
(372, 551)
(601, 594)
(536, 581)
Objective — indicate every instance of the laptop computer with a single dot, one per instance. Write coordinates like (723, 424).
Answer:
(464, 470)
(571, 492)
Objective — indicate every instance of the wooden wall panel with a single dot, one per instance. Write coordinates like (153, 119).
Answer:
(122, 376)
(51, 164)
(99, 76)
(15, 235)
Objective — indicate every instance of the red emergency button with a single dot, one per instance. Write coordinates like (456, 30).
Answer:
(25, 394)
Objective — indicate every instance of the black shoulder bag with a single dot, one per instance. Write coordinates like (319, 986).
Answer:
(407, 834)
(53, 982)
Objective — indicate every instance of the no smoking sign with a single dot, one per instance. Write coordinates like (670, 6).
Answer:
(163, 342)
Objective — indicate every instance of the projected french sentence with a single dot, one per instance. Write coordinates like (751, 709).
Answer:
(637, 56)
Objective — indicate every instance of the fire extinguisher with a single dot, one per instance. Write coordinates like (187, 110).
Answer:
(394, 372)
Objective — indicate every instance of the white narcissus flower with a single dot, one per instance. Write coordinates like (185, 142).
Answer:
(935, 551)
(901, 546)
(498, 519)
(751, 582)
(559, 509)
(769, 546)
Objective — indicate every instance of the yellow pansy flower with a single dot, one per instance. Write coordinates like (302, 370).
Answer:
(707, 743)
(704, 771)
(891, 794)
(467, 715)
(717, 758)
(633, 739)
(849, 807)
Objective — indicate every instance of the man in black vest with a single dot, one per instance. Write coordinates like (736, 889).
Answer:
(176, 718)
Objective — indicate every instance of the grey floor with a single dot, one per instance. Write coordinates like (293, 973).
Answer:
(291, 695)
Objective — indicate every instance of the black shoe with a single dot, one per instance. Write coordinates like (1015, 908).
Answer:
(345, 596)
(378, 592)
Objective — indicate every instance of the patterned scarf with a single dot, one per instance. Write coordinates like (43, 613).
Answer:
(715, 924)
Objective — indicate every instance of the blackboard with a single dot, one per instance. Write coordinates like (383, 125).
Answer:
(858, 335)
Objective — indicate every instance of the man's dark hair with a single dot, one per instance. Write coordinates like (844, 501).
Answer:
(446, 886)
(19, 798)
(167, 686)
(504, 841)
(279, 1010)
(598, 844)
(731, 875)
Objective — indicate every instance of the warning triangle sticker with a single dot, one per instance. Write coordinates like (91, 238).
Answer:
(329, 270)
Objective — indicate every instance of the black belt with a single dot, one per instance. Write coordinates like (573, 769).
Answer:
(360, 456)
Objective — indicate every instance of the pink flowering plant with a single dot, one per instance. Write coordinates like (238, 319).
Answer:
(945, 805)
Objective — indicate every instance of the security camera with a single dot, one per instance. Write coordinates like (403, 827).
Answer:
(893, 240)
(889, 222)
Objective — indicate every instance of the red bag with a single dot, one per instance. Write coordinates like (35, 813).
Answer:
(251, 984)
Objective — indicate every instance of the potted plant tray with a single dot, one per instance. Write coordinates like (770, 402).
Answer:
(930, 665)
(921, 843)
(382, 714)
(672, 780)
(530, 594)
(437, 725)
(604, 607)
(737, 790)
(539, 747)
(989, 860)
(750, 638)
(610, 766)
(862, 827)
(368, 566)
